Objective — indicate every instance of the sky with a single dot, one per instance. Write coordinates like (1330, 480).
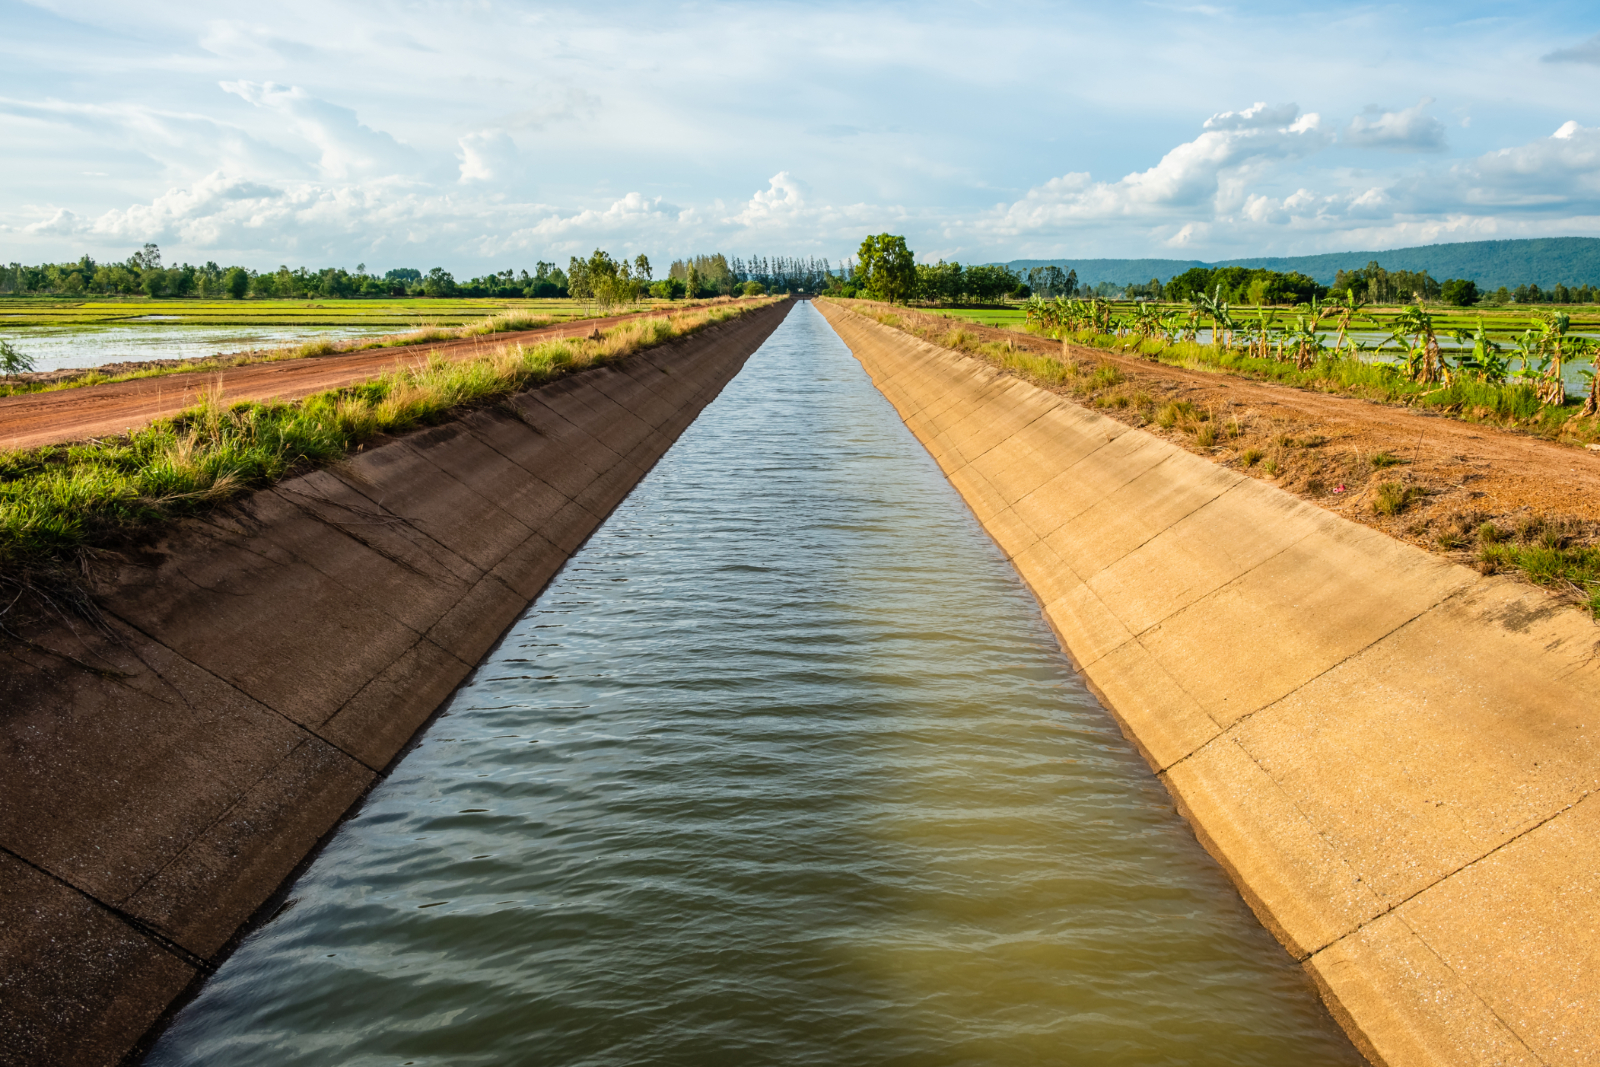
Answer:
(483, 135)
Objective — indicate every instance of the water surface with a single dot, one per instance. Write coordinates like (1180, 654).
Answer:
(784, 768)
(61, 347)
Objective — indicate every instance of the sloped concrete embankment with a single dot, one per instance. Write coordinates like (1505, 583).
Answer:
(1390, 754)
(162, 774)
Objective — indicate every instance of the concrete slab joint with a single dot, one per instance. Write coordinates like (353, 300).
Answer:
(1391, 755)
(161, 775)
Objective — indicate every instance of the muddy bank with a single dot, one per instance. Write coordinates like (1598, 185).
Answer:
(163, 771)
(1391, 754)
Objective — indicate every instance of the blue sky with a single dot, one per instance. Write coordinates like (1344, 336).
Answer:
(483, 135)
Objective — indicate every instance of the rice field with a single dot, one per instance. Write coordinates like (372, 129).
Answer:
(58, 334)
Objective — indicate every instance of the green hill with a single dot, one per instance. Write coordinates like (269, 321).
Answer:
(1541, 261)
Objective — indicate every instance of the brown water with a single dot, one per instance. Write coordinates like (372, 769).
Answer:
(784, 768)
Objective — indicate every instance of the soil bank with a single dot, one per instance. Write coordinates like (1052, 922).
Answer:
(1391, 754)
(164, 770)
(29, 420)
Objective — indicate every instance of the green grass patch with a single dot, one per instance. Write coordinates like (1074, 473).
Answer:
(55, 502)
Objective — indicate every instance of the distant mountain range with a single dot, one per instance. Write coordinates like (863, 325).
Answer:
(1541, 261)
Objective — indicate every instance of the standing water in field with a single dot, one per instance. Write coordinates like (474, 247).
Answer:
(785, 767)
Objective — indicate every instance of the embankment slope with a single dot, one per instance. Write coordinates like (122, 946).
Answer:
(163, 770)
(1391, 754)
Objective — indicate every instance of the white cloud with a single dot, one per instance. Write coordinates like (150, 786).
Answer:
(489, 155)
(347, 148)
(1410, 130)
(1584, 52)
(1205, 175)
(781, 201)
(1559, 172)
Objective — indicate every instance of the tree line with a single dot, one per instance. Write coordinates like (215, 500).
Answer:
(599, 277)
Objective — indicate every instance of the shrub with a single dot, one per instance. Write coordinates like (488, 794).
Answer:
(1392, 498)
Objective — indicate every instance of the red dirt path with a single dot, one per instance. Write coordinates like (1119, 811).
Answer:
(34, 419)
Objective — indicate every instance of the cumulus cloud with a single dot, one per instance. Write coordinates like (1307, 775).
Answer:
(347, 147)
(1208, 174)
(1561, 171)
(1584, 52)
(783, 200)
(1411, 130)
(488, 155)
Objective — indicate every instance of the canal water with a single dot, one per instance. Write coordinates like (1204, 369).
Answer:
(784, 768)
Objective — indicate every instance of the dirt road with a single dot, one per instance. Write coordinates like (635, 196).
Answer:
(1321, 446)
(65, 415)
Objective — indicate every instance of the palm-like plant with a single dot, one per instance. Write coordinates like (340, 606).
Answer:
(1414, 330)
(1347, 311)
(1553, 336)
(1486, 358)
(1530, 355)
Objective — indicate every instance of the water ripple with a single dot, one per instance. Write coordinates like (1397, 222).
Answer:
(784, 768)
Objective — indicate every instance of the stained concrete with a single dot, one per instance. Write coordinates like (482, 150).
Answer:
(164, 769)
(1392, 756)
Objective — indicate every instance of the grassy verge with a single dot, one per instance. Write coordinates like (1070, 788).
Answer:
(1512, 405)
(1547, 552)
(1562, 555)
(59, 503)
(509, 322)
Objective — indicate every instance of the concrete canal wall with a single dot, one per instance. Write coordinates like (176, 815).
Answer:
(1391, 755)
(162, 773)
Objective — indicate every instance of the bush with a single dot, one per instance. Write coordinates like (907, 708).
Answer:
(1460, 292)
(754, 288)
(1392, 498)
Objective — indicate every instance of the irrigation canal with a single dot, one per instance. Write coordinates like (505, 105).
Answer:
(784, 768)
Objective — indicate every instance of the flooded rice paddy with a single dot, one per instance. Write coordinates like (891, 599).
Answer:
(785, 767)
(60, 348)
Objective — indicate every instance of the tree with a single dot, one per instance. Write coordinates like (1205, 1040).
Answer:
(691, 284)
(12, 362)
(439, 282)
(1460, 292)
(641, 268)
(888, 267)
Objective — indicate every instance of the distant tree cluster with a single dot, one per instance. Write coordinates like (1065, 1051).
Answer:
(1242, 285)
(1378, 286)
(886, 269)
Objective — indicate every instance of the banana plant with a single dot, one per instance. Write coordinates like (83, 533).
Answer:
(1553, 338)
(1265, 321)
(1486, 358)
(1347, 311)
(1414, 330)
(1308, 346)
(1530, 356)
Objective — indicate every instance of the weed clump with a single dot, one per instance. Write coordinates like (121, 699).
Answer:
(1392, 498)
(1250, 456)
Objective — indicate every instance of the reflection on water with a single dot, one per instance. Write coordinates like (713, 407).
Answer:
(57, 348)
(784, 768)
